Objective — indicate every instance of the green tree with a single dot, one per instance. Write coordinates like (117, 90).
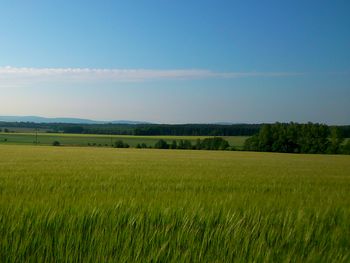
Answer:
(198, 144)
(187, 145)
(56, 143)
(173, 145)
(336, 139)
(265, 139)
(346, 148)
(143, 145)
(121, 144)
(181, 144)
(291, 138)
(161, 144)
(251, 144)
(216, 143)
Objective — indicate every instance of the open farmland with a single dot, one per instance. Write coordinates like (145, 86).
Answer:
(102, 140)
(141, 205)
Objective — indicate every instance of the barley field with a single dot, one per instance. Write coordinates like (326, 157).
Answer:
(71, 204)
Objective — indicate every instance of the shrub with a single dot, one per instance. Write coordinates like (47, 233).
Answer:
(346, 148)
(56, 143)
(184, 144)
(173, 145)
(216, 143)
(161, 144)
(121, 144)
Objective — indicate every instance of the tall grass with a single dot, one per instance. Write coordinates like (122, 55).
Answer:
(125, 205)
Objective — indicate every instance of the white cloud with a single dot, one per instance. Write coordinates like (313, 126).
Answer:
(18, 76)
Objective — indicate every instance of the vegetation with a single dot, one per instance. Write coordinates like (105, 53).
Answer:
(279, 137)
(61, 204)
(296, 138)
(56, 143)
(197, 129)
(213, 144)
(121, 144)
(105, 140)
(161, 144)
(346, 148)
(142, 146)
(216, 143)
(141, 129)
(146, 129)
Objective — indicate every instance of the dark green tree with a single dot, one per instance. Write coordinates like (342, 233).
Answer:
(56, 143)
(346, 148)
(216, 143)
(173, 145)
(121, 144)
(336, 140)
(143, 145)
(161, 144)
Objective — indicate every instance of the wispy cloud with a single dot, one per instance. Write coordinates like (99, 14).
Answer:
(21, 75)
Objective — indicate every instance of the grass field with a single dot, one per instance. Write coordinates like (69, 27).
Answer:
(140, 205)
(101, 140)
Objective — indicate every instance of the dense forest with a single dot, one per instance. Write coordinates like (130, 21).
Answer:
(148, 129)
(298, 138)
(141, 129)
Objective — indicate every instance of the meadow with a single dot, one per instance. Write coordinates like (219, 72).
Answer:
(101, 140)
(80, 204)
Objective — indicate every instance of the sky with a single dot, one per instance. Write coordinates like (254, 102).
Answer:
(182, 61)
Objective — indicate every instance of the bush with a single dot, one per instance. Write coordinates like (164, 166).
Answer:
(121, 144)
(216, 143)
(173, 145)
(346, 148)
(184, 145)
(56, 143)
(141, 145)
(161, 144)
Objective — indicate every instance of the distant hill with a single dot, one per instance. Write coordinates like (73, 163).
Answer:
(37, 119)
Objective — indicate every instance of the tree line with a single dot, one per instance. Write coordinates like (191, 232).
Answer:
(216, 143)
(197, 129)
(298, 138)
(149, 129)
(141, 129)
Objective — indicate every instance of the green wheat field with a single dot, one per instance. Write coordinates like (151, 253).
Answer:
(81, 204)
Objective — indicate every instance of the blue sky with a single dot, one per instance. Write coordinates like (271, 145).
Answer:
(176, 61)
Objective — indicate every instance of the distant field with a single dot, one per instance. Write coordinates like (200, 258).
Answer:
(60, 204)
(101, 140)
